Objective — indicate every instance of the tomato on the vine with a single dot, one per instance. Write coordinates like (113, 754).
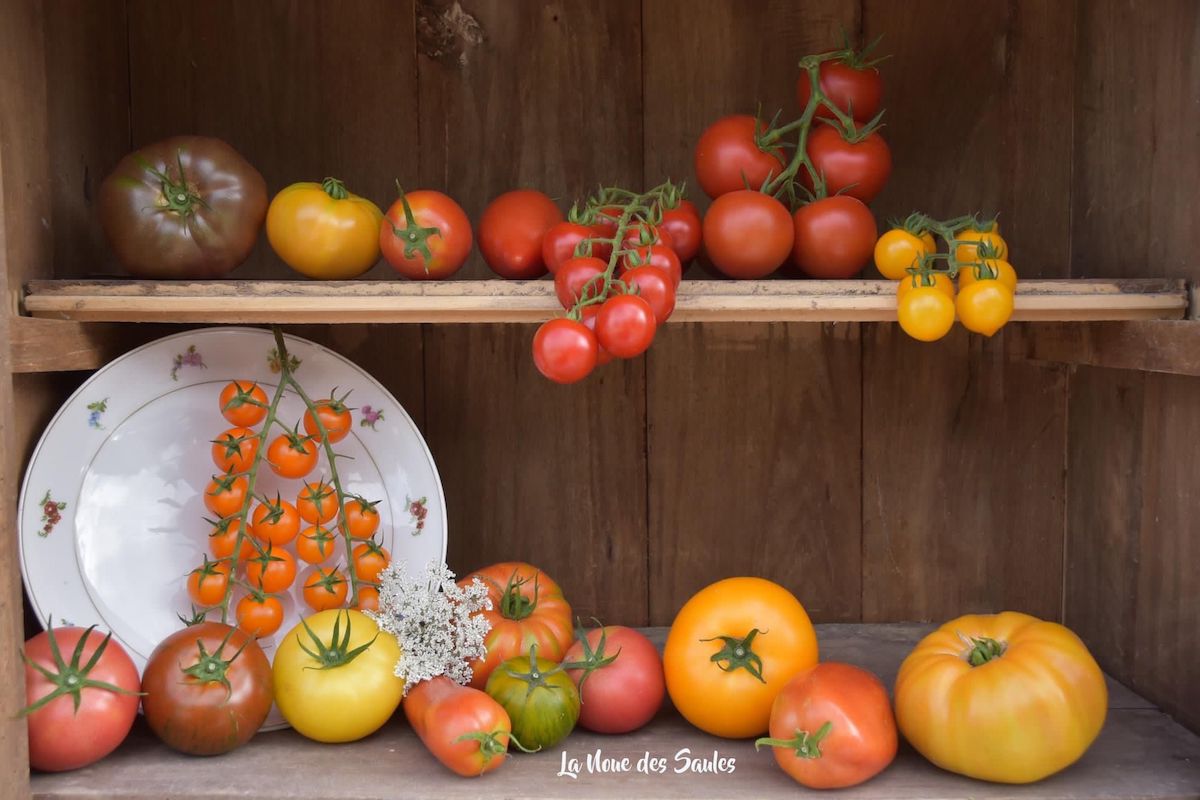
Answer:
(1000, 270)
(897, 250)
(748, 234)
(968, 244)
(653, 286)
(577, 277)
(259, 614)
(370, 559)
(275, 522)
(315, 544)
(206, 584)
(243, 403)
(625, 325)
(425, 235)
(683, 223)
(926, 313)
(334, 416)
(511, 231)
(984, 306)
(291, 455)
(658, 256)
(325, 587)
(941, 282)
(558, 246)
(587, 315)
(728, 157)
(223, 540)
(366, 599)
(857, 91)
(834, 237)
(565, 351)
(225, 494)
(272, 571)
(235, 449)
(317, 502)
(362, 517)
(858, 169)
(643, 234)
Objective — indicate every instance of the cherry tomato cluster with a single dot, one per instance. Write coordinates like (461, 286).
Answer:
(253, 531)
(616, 264)
(809, 207)
(927, 297)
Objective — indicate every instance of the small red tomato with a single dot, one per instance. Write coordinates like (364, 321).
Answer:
(425, 236)
(511, 231)
(858, 169)
(577, 276)
(683, 223)
(642, 234)
(659, 257)
(625, 326)
(624, 694)
(564, 350)
(559, 244)
(834, 237)
(748, 234)
(858, 92)
(606, 221)
(588, 317)
(728, 157)
(654, 286)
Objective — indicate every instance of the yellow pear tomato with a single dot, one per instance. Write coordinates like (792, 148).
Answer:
(323, 231)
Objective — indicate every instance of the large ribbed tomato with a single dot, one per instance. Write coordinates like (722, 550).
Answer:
(1001, 697)
(527, 608)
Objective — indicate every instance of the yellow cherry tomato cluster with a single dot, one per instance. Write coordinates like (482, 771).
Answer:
(970, 280)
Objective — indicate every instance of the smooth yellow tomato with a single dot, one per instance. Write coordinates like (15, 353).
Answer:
(323, 231)
(928, 241)
(925, 313)
(984, 306)
(897, 250)
(1001, 271)
(730, 651)
(337, 697)
(941, 281)
(967, 249)
(1001, 697)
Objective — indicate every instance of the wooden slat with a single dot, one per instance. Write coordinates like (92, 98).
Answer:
(1171, 346)
(48, 345)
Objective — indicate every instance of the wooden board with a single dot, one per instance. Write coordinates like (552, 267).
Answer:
(1140, 754)
(1171, 346)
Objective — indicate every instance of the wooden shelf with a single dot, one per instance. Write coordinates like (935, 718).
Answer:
(534, 301)
(1140, 754)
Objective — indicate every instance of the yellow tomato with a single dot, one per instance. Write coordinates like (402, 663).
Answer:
(967, 249)
(1001, 271)
(1001, 697)
(941, 281)
(322, 231)
(927, 240)
(925, 313)
(760, 637)
(984, 306)
(897, 250)
(337, 697)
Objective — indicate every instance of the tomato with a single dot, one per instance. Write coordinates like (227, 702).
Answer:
(425, 235)
(1028, 689)
(619, 675)
(941, 281)
(539, 697)
(926, 313)
(272, 571)
(225, 494)
(832, 727)
(748, 234)
(730, 650)
(223, 540)
(511, 232)
(683, 223)
(588, 317)
(565, 351)
(317, 502)
(643, 234)
(578, 276)
(606, 222)
(243, 403)
(967, 245)
(625, 325)
(834, 237)
(345, 693)
(370, 559)
(362, 517)
(259, 614)
(235, 449)
(81, 705)
(527, 607)
(464, 728)
(323, 231)
(206, 584)
(292, 456)
(315, 544)
(658, 256)
(184, 207)
(856, 91)
(366, 599)
(858, 169)
(559, 243)
(984, 306)
(1001, 270)
(325, 587)
(275, 522)
(654, 286)
(728, 156)
(333, 415)
(897, 250)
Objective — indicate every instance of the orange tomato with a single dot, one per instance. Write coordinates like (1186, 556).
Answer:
(207, 583)
(362, 518)
(325, 588)
(367, 599)
(243, 403)
(315, 544)
(259, 615)
(235, 449)
(334, 415)
(272, 571)
(317, 502)
(277, 522)
(223, 540)
(369, 560)
(225, 494)
(292, 456)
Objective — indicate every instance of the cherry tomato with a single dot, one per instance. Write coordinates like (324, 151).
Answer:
(427, 239)
(325, 588)
(641, 234)
(370, 559)
(223, 540)
(683, 223)
(897, 250)
(277, 522)
(225, 494)
(243, 403)
(941, 281)
(588, 318)
(925, 313)
(966, 249)
(657, 256)
(317, 502)
(834, 237)
(334, 415)
(560, 242)
(207, 583)
(259, 615)
(272, 571)
(362, 518)
(315, 544)
(292, 456)
(984, 306)
(565, 351)
(235, 449)
(577, 276)
(625, 325)
(624, 694)
(748, 234)
(856, 91)
(606, 221)
(728, 157)
(367, 598)
(654, 286)
(858, 169)
(511, 232)
(1001, 270)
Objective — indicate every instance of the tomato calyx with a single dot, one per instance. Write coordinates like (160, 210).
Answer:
(178, 196)
(513, 604)
(490, 745)
(197, 616)
(243, 397)
(802, 745)
(274, 510)
(327, 578)
(214, 667)
(335, 188)
(71, 677)
(738, 654)
(336, 653)
(592, 659)
(536, 677)
(233, 444)
(982, 650)
(415, 237)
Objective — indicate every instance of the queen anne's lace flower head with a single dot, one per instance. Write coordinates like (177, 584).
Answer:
(434, 620)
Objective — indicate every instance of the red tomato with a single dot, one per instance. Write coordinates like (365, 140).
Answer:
(565, 351)
(61, 736)
(835, 237)
(625, 325)
(511, 231)
(860, 169)
(427, 239)
(606, 221)
(858, 92)
(728, 158)
(747, 234)
(658, 256)
(576, 276)
(683, 223)
(463, 727)
(588, 317)
(832, 727)
(643, 233)
(654, 286)
(560, 242)
(623, 694)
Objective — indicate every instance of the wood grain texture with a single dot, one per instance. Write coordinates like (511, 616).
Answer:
(301, 90)
(1171, 346)
(754, 459)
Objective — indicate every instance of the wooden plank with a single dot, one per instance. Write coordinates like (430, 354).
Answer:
(754, 462)
(47, 345)
(1171, 346)
(1140, 754)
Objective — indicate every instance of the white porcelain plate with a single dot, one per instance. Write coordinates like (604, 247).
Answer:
(112, 512)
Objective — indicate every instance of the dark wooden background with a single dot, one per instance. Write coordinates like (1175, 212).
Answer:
(878, 478)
